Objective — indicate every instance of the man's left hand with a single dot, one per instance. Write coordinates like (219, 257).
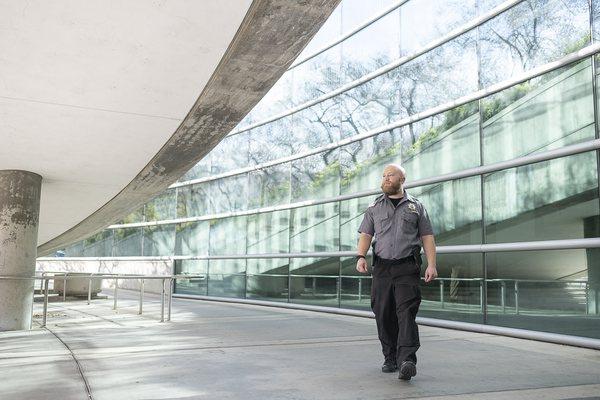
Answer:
(430, 274)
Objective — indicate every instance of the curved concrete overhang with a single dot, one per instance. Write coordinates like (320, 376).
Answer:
(268, 39)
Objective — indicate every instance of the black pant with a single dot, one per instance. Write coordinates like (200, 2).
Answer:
(395, 300)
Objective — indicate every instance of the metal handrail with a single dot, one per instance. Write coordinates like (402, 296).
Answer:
(166, 293)
(168, 281)
(558, 244)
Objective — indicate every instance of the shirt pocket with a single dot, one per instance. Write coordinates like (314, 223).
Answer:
(382, 224)
(410, 222)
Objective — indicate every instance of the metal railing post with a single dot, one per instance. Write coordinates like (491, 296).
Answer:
(359, 289)
(162, 302)
(481, 300)
(503, 296)
(516, 297)
(141, 296)
(46, 280)
(65, 287)
(587, 298)
(42, 285)
(89, 300)
(171, 281)
(442, 294)
(116, 292)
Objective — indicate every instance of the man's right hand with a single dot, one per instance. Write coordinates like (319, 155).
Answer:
(361, 265)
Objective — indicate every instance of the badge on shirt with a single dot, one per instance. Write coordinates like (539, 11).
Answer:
(412, 208)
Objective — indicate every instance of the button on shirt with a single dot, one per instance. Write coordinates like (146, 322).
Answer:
(396, 230)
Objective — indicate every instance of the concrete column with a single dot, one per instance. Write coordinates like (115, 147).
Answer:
(19, 216)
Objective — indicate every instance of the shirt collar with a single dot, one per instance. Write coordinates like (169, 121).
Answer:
(405, 197)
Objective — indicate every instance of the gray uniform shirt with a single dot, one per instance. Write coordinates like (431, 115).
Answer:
(396, 230)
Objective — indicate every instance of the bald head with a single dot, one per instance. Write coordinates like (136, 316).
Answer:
(396, 167)
(393, 179)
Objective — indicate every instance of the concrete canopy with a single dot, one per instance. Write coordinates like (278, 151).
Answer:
(95, 96)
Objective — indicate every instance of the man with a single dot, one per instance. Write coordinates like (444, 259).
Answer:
(400, 224)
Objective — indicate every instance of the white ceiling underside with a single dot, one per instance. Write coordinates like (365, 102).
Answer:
(91, 90)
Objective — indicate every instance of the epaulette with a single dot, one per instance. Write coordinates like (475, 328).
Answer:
(377, 199)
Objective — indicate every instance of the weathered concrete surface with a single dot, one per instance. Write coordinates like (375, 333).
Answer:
(272, 35)
(19, 217)
(232, 351)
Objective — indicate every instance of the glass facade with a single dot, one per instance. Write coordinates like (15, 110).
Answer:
(334, 120)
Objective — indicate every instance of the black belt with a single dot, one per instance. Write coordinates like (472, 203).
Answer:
(394, 261)
(415, 258)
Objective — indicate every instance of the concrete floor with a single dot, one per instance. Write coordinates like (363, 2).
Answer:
(229, 351)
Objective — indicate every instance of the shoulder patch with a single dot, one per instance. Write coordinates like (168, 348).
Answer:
(377, 200)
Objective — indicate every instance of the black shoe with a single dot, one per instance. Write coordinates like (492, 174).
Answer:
(408, 369)
(389, 366)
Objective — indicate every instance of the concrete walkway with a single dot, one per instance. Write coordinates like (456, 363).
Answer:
(228, 351)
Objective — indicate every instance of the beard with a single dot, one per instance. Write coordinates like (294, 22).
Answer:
(391, 189)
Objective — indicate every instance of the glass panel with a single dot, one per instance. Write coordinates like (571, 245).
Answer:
(545, 113)
(448, 142)
(227, 278)
(355, 287)
(272, 141)
(596, 57)
(330, 31)
(365, 51)
(328, 62)
(269, 186)
(416, 86)
(454, 208)
(200, 170)
(551, 291)
(192, 201)
(315, 228)
(596, 20)
(161, 207)
(268, 279)
(231, 153)
(128, 242)
(357, 12)
(316, 177)
(362, 162)
(458, 292)
(228, 194)
(314, 281)
(74, 250)
(423, 21)
(530, 34)
(442, 144)
(228, 236)
(542, 201)
(277, 100)
(268, 232)
(191, 239)
(317, 126)
(196, 285)
(374, 103)
(319, 75)
(136, 216)
(99, 245)
(351, 215)
(159, 240)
